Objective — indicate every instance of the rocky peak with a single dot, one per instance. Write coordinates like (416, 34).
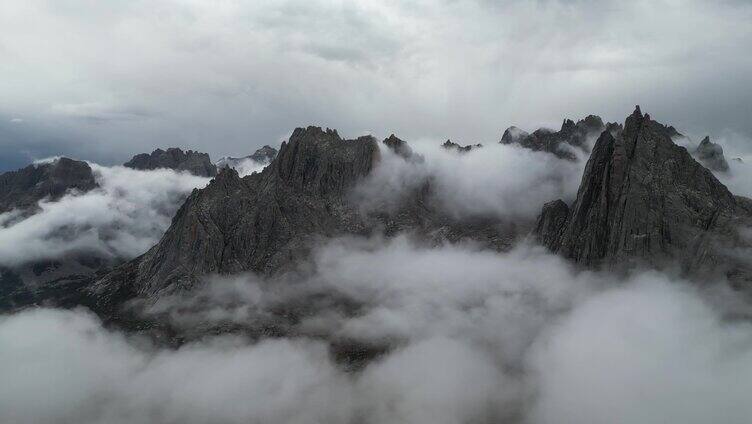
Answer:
(711, 155)
(262, 156)
(320, 162)
(513, 135)
(398, 146)
(196, 163)
(568, 126)
(643, 199)
(450, 145)
(265, 154)
(591, 123)
(24, 188)
(560, 143)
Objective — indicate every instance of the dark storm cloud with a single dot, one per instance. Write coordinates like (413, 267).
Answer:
(226, 78)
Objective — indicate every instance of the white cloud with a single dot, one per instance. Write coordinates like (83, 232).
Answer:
(652, 352)
(66, 368)
(480, 337)
(496, 180)
(122, 218)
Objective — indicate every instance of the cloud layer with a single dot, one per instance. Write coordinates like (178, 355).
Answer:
(474, 337)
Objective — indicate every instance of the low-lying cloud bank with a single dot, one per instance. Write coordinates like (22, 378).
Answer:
(473, 336)
(122, 218)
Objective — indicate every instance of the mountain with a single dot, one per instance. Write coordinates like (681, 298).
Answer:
(450, 145)
(24, 188)
(711, 155)
(561, 143)
(398, 146)
(265, 154)
(196, 163)
(644, 200)
(262, 156)
(267, 222)
(257, 223)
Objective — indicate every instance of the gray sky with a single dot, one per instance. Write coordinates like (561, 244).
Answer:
(104, 80)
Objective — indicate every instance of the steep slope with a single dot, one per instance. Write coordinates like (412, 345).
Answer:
(645, 200)
(24, 188)
(196, 163)
(259, 223)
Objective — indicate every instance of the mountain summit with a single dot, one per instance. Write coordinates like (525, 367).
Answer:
(24, 188)
(196, 163)
(645, 200)
(563, 143)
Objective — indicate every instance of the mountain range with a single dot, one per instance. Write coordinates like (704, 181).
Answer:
(643, 201)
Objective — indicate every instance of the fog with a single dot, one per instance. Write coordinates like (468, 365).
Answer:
(122, 218)
(471, 336)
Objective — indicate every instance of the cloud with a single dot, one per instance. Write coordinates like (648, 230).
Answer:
(652, 352)
(496, 180)
(109, 379)
(248, 166)
(474, 336)
(121, 219)
(98, 112)
(228, 79)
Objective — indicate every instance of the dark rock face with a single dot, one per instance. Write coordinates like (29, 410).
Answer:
(450, 145)
(173, 158)
(24, 188)
(645, 200)
(552, 220)
(711, 155)
(398, 146)
(262, 222)
(560, 143)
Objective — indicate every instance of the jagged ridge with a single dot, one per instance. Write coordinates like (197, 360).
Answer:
(196, 163)
(561, 143)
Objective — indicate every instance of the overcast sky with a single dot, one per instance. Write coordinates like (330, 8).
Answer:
(103, 80)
